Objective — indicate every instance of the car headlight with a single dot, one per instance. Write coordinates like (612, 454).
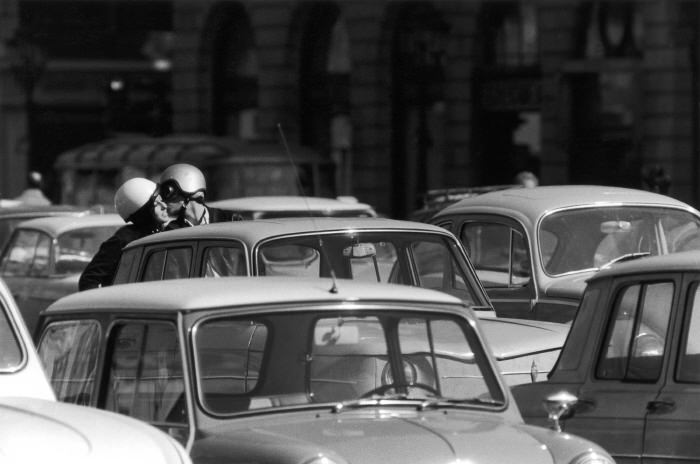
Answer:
(591, 457)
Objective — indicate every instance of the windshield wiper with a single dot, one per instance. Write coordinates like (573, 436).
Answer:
(625, 257)
(442, 402)
(425, 403)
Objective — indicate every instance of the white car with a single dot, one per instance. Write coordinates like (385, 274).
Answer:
(362, 249)
(297, 371)
(277, 206)
(34, 427)
(44, 258)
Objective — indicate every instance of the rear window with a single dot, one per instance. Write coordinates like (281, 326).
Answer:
(420, 259)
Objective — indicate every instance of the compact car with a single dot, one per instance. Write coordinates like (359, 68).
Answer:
(276, 206)
(534, 248)
(13, 214)
(44, 258)
(293, 370)
(366, 249)
(629, 374)
(37, 428)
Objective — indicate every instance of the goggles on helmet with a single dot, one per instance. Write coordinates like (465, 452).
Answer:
(171, 192)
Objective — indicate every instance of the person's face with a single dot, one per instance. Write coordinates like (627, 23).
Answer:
(195, 209)
(173, 202)
(160, 210)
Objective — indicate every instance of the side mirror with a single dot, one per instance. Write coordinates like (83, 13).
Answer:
(559, 406)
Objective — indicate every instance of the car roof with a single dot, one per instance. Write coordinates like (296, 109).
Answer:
(533, 202)
(206, 293)
(31, 210)
(57, 225)
(673, 262)
(255, 230)
(288, 203)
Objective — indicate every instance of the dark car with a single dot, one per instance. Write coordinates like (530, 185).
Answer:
(629, 374)
(534, 248)
(297, 371)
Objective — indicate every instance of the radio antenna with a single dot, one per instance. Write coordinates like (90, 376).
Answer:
(334, 288)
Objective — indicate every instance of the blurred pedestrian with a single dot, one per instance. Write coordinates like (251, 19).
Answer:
(33, 194)
(183, 189)
(527, 179)
(138, 202)
(655, 179)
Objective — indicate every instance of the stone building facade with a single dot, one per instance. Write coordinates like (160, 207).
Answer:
(404, 96)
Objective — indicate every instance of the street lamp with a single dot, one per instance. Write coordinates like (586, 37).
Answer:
(27, 64)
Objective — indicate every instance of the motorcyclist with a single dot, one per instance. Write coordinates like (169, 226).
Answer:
(138, 202)
(183, 189)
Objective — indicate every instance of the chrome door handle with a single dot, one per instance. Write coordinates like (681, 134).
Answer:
(660, 406)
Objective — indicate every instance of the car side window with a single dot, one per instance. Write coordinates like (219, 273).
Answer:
(219, 261)
(19, 254)
(126, 265)
(10, 349)
(689, 360)
(42, 257)
(69, 352)
(499, 254)
(636, 336)
(145, 378)
(171, 263)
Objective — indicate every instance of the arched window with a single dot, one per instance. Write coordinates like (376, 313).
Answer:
(609, 29)
(234, 72)
(324, 89)
(507, 86)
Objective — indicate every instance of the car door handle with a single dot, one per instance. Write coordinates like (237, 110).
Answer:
(660, 406)
(584, 405)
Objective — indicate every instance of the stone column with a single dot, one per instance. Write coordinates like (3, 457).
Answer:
(13, 118)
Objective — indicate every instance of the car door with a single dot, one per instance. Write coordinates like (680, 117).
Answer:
(674, 415)
(173, 261)
(627, 372)
(498, 249)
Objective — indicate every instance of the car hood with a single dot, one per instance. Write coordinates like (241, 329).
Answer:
(571, 286)
(38, 430)
(511, 338)
(374, 436)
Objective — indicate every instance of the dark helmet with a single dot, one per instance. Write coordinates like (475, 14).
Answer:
(182, 178)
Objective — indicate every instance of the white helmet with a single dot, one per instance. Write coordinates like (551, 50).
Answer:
(133, 195)
(182, 178)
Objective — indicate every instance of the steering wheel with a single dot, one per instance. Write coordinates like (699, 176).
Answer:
(384, 388)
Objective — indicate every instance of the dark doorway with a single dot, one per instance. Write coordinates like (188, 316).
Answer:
(603, 142)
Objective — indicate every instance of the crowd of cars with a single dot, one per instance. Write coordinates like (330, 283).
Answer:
(371, 338)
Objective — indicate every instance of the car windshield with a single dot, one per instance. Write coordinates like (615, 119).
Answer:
(77, 247)
(425, 260)
(327, 356)
(589, 238)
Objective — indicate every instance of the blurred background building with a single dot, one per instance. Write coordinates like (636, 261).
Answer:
(404, 96)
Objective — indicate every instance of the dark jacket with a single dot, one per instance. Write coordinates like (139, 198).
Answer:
(101, 269)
